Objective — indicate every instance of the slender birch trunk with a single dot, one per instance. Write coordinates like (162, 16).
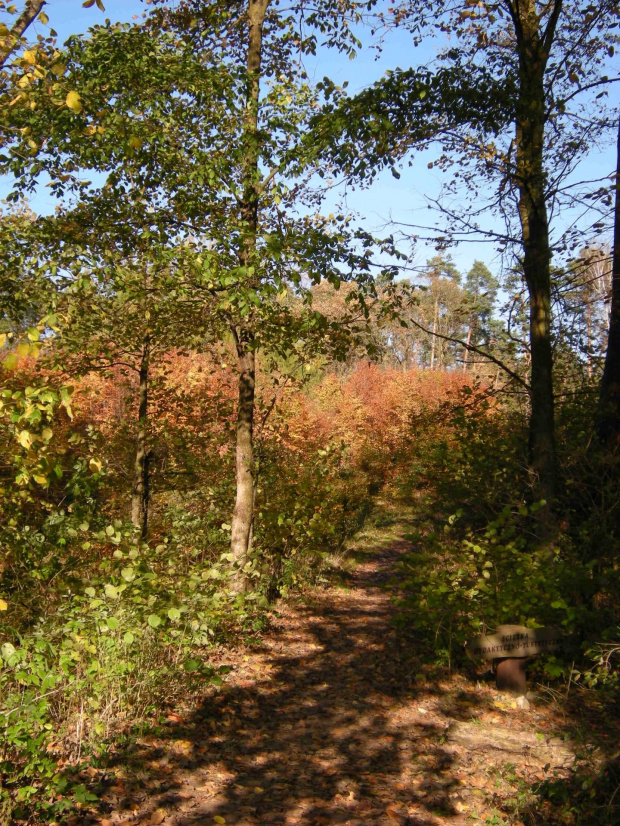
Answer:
(245, 339)
(241, 527)
(140, 493)
(467, 343)
(434, 338)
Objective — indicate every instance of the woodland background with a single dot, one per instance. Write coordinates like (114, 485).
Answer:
(212, 367)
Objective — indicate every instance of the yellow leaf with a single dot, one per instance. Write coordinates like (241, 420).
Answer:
(3, 605)
(10, 362)
(95, 465)
(2, 339)
(33, 333)
(30, 57)
(219, 819)
(23, 349)
(47, 433)
(74, 102)
(100, 5)
(40, 479)
(44, 18)
(25, 439)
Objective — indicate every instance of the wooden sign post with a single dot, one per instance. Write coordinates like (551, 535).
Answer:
(510, 647)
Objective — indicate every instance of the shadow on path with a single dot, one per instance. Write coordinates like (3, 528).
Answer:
(323, 724)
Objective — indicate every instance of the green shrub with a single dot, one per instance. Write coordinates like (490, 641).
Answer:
(134, 637)
(468, 581)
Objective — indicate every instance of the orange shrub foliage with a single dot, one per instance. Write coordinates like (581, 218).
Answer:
(376, 408)
(372, 417)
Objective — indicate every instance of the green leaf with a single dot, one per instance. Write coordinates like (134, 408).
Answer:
(112, 623)
(110, 591)
(153, 620)
(128, 637)
(128, 574)
(7, 650)
(174, 614)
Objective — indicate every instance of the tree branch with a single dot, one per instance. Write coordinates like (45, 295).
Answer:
(10, 42)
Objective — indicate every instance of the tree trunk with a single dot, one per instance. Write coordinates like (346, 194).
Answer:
(467, 343)
(590, 337)
(140, 493)
(533, 48)
(434, 339)
(241, 526)
(608, 418)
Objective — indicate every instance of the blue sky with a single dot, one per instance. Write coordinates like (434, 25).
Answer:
(403, 200)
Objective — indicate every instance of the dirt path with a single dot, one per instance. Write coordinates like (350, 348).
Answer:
(330, 721)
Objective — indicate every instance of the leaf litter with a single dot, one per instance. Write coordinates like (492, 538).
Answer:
(332, 718)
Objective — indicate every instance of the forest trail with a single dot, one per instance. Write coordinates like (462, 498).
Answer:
(330, 719)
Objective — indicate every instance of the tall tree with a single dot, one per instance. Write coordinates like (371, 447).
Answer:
(442, 302)
(509, 103)
(608, 423)
(202, 126)
(244, 337)
(481, 288)
(122, 300)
